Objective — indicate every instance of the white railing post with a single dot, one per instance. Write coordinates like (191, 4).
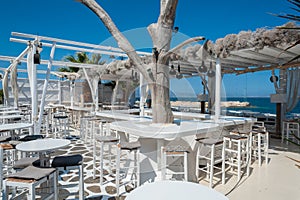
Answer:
(45, 88)
(218, 78)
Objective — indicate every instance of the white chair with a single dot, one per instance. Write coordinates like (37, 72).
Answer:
(176, 154)
(235, 154)
(83, 126)
(212, 158)
(29, 178)
(290, 131)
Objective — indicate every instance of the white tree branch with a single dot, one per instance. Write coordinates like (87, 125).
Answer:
(122, 41)
(178, 47)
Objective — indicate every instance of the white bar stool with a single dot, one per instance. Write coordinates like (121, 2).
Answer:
(260, 143)
(131, 147)
(60, 125)
(71, 162)
(106, 139)
(174, 152)
(290, 130)
(235, 154)
(213, 157)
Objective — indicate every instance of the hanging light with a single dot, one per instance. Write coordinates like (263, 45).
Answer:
(172, 70)
(179, 75)
(176, 28)
(202, 68)
(150, 74)
(273, 79)
(37, 58)
(135, 78)
(211, 72)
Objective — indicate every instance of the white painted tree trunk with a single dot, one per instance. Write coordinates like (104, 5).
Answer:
(156, 73)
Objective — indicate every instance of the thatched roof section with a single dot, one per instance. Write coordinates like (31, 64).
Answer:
(247, 49)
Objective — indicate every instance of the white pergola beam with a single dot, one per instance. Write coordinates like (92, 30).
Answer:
(96, 47)
(59, 46)
(55, 62)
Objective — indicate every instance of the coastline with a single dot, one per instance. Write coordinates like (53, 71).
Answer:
(193, 104)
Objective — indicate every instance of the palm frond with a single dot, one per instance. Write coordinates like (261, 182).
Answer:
(295, 2)
(297, 10)
(70, 58)
(288, 17)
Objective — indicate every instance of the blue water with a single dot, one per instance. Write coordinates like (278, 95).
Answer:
(257, 104)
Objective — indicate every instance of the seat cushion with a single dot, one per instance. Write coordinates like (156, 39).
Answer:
(6, 146)
(210, 141)
(107, 138)
(65, 161)
(60, 116)
(176, 148)
(5, 138)
(31, 137)
(25, 162)
(130, 145)
(32, 173)
(235, 137)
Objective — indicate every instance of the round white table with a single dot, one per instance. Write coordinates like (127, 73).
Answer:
(174, 190)
(43, 146)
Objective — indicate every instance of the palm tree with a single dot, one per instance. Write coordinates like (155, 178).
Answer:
(294, 17)
(81, 57)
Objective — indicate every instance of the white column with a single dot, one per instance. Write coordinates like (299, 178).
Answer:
(142, 95)
(42, 105)
(72, 83)
(218, 90)
(59, 90)
(96, 94)
(34, 97)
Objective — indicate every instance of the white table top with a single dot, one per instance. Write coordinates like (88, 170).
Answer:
(146, 129)
(42, 145)
(78, 108)
(13, 126)
(10, 116)
(174, 190)
(8, 108)
(185, 115)
(120, 115)
(9, 112)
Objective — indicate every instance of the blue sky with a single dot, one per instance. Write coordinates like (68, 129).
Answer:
(213, 19)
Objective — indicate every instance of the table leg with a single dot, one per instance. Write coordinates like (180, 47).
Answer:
(159, 144)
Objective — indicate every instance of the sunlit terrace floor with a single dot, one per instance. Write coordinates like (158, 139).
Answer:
(277, 180)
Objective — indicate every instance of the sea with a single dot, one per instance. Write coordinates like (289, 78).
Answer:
(257, 104)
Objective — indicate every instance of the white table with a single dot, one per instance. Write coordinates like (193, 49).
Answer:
(43, 146)
(5, 118)
(174, 190)
(118, 115)
(145, 129)
(14, 126)
(184, 115)
(154, 136)
(8, 108)
(9, 112)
